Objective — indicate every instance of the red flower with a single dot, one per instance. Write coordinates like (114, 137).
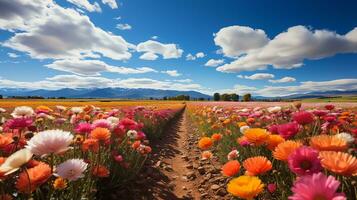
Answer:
(288, 130)
(303, 117)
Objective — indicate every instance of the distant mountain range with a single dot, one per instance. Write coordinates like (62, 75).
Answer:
(144, 93)
(124, 93)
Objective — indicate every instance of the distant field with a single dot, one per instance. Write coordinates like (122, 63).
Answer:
(103, 103)
(337, 99)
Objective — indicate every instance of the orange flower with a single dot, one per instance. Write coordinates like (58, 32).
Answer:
(339, 162)
(328, 143)
(250, 120)
(90, 145)
(273, 141)
(78, 139)
(59, 183)
(284, 149)
(226, 122)
(206, 155)
(136, 144)
(205, 143)
(256, 136)
(231, 168)
(257, 165)
(240, 124)
(216, 137)
(100, 171)
(101, 134)
(5, 140)
(28, 182)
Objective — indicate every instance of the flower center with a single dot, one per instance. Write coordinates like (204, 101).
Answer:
(320, 197)
(305, 164)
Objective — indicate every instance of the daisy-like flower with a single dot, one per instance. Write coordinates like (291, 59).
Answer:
(274, 109)
(231, 168)
(328, 143)
(316, 186)
(245, 187)
(61, 108)
(113, 121)
(50, 141)
(71, 169)
(76, 110)
(132, 134)
(304, 161)
(346, 136)
(32, 178)
(257, 165)
(102, 123)
(339, 163)
(256, 136)
(22, 111)
(205, 143)
(284, 149)
(15, 161)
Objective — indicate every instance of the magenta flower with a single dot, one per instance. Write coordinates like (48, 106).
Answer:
(303, 117)
(18, 123)
(316, 186)
(304, 161)
(83, 128)
(288, 130)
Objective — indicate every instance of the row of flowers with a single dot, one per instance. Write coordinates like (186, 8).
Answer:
(281, 152)
(77, 152)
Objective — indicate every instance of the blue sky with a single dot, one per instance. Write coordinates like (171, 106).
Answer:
(268, 48)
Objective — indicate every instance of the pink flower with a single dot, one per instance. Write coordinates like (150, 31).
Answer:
(303, 117)
(316, 186)
(273, 129)
(17, 123)
(271, 187)
(83, 128)
(72, 169)
(320, 113)
(102, 123)
(304, 161)
(288, 130)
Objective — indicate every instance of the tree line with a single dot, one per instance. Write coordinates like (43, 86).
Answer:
(231, 97)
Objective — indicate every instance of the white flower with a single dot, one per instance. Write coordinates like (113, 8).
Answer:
(61, 108)
(113, 121)
(346, 136)
(77, 110)
(50, 141)
(132, 134)
(22, 111)
(2, 110)
(243, 129)
(274, 109)
(233, 155)
(15, 161)
(71, 169)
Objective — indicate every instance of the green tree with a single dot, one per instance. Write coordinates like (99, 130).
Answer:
(234, 97)
(247, 97)
(216, 97)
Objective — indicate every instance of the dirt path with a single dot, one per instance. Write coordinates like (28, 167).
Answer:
(169, 172)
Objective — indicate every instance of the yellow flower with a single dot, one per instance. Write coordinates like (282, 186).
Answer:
(60, 183)
(246, 187)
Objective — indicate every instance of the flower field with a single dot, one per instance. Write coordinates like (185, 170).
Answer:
(75, 151)
(280, 150)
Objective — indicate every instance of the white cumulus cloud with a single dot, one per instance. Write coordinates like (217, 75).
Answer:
(258, 76)
(111, 3)
(43, 29)
(84, 4)
(288, 49)
(173, 73)
(123, 27)
(154, 47)
(214, 63)
(94, 67)
(286, 79)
